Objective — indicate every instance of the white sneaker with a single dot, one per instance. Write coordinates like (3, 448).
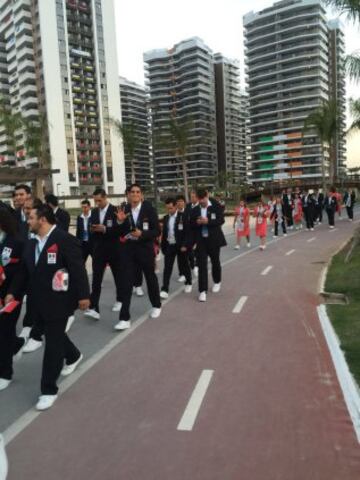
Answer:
(262, 247)
(332, 226)
(68, 369)
(32, 345)
(122, 325)
(311, 229)
(90, 312)
(155, 312)
(4, 383)
(188, 289)
(216, 287)
(196, 272)
(285, 234)
(248, 245)
(164, 294)
(116, 307)
(237, 247)
(202, 297)
(45, 402)
(139, 292)
(70, 321)
(181, 279)
(25, 332)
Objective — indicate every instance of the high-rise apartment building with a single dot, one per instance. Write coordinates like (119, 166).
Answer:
(135, 121)
(182, 86)
(231, 111)
(290, 72)
(58, 59)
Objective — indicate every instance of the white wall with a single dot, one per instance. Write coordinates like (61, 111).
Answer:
(53, 92)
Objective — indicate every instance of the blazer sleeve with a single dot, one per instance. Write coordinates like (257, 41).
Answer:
(78, 234)
(76, 268)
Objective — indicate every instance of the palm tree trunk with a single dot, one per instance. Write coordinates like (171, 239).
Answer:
(133, 176)
(323, 169)
(185, 178)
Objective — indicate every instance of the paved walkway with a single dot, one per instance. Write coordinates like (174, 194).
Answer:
(271, 408)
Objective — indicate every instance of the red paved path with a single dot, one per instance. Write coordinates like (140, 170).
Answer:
(273, 411)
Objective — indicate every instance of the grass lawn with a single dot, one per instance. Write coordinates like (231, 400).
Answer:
(345, 278)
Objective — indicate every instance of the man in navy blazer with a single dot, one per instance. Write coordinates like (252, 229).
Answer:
(54, 277)
(83, 233)
(105, 250)
(206, 220)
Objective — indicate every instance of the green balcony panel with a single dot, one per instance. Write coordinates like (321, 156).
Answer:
(265, 139)
(266, 147)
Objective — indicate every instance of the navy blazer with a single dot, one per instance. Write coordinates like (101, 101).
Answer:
(11, 250)
(147, 222)
(181, 230)
(332, 205)
(215, 215)
(80, 230)
(36, 278)
(107, 239)
(62, 219)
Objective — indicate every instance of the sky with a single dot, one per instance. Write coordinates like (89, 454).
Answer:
(144, 25)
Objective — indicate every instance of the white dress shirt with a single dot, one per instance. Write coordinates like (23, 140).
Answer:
(41, 243)
(102, 213)
(86, 226)
(135, 213)
(171, 229)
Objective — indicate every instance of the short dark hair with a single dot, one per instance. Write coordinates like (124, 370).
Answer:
(99, 191)
(127, 190)
(170, 200)
(44, 211)
(22, 186)
(181, 197)
(201, 193)
(135, 185)
(7, 222)
(51, 199)
(86, 202)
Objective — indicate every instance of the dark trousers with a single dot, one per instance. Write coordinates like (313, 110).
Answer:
(319, 213)
(204, 250)
(331, 216)
(135, 255)
(172, 252)
(138, 276)
(276, 225)
(309, 217)
(9, 342)
(191, 256)
(350, 212)
(100, 260)
(289, 217)
(86, 250)
(58, 347)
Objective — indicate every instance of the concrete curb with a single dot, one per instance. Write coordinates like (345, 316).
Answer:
(348, 385)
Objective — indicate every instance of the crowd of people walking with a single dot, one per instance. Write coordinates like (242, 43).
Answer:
(43, 266)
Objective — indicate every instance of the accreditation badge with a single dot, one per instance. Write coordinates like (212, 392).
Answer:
(145, 226)
(109, 223)
(51, 258)
(181, 227)
(213, 216)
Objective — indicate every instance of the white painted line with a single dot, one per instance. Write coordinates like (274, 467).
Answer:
(311, 239)
(290, 252)
(238, 307)
(346, 380)
(267, 270)
(192, 409)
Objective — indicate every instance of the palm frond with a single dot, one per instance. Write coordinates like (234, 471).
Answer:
(352, 66)
(349, 8)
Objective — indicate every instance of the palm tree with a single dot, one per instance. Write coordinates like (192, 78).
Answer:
(324, 121)
(349, 8)
(176, 136)
(37, 140)
(131, 141)
(355, 113)
(12, 123)
(352, 66)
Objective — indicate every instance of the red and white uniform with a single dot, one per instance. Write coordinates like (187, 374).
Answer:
(297, 212)
(261, 215)
(242, 222)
